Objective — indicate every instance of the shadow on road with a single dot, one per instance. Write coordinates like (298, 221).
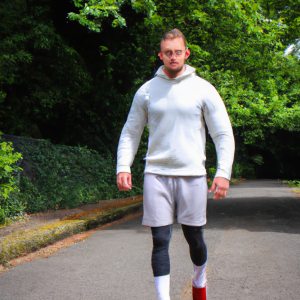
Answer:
(265, 205)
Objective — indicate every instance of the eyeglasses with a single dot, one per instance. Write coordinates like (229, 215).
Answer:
(169, 53)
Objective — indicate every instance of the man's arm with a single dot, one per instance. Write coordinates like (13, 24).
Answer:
(220, 129)
(130, 139)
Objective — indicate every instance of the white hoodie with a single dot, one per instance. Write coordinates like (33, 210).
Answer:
(175, 110)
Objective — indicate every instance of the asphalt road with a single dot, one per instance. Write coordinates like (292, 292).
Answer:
(253, 253)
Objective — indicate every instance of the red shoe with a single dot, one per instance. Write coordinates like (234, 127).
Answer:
(199, 293)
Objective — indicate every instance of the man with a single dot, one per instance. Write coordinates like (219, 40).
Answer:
(174, 104)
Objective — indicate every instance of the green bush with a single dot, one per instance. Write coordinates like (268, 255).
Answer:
(243, 170)
(9, 203)
(293, 183)
(63, 176)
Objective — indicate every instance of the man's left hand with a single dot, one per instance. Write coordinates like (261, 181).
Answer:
(222, 185)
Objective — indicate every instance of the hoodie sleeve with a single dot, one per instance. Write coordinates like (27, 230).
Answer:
(132, 132)
(219, 126)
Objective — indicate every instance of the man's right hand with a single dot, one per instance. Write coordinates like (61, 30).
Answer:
(124, 181)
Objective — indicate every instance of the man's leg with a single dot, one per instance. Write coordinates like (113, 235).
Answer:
(198, 252)
(161, 260)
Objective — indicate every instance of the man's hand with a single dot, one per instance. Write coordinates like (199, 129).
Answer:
(223, 186)
(124, 181)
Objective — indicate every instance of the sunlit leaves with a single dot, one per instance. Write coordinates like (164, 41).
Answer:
(8, 169)
(93, 13)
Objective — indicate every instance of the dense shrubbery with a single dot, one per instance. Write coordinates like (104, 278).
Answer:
(293, 183)
(9, 203)
(64, 176)
(57, 176)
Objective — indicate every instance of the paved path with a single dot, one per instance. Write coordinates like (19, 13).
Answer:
(253, 243)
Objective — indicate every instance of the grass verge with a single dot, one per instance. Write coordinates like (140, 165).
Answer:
(30, 240)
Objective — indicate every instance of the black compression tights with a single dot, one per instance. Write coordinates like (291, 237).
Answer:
(161, 240)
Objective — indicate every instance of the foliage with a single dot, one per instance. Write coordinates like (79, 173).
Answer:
(293, 183)
(210, 176)
(93, 13)
(63, 176)
(287, 11)
(243, 170)
(8, 181)
(41, 77)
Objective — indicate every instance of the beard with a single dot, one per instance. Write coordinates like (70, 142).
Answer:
(174, 71)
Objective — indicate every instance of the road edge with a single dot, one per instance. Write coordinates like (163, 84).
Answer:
(30, 240)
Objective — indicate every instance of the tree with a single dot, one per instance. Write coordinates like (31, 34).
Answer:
(235, 45)
(288, 14)
(41, 77)
(93, 13)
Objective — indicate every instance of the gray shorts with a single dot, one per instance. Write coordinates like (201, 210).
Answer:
(166, 195)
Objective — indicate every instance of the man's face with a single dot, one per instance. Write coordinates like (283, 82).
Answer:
(174, 54)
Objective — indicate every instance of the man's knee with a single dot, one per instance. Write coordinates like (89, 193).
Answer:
(195, 238)
(161, 236)
(160, 255)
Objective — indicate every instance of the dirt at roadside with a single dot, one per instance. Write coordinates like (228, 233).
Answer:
(296, 191)
(55, 216)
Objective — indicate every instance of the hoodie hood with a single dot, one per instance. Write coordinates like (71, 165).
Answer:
(188, 71)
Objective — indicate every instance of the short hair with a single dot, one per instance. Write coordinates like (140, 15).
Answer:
(172, 34)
